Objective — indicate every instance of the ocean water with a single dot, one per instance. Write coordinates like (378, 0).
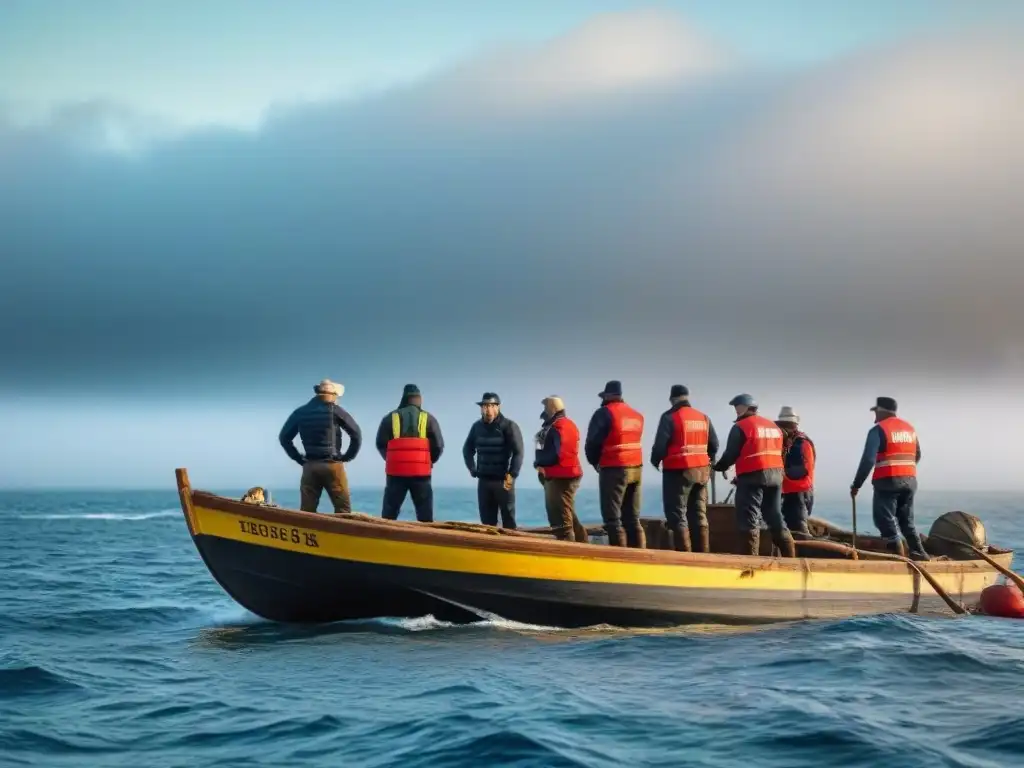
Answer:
(117, 648)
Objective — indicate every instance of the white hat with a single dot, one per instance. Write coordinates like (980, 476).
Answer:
(328, 387)
(787, 414)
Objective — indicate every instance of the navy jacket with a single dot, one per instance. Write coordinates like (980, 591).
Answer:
(547, 454)
(319, 425)
(494, 450)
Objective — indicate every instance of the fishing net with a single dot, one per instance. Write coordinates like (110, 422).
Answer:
(953, 533)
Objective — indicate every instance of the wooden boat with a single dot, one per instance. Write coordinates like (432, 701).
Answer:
(291, 566)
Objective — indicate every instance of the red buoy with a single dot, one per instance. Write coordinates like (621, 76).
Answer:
(1003, 600)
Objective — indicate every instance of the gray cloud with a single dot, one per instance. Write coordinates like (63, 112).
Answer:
(836, 219)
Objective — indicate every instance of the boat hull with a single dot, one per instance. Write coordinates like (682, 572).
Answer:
(302, 567)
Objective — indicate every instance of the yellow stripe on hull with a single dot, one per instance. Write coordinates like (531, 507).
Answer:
(971, 579)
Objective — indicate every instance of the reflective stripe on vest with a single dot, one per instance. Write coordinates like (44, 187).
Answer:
(688, 448)
(623, 447)
(899, 459)
(568, 465)
(763, 447)
(408, 456)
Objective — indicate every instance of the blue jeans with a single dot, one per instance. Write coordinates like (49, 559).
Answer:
(893, 514)
(796, 508)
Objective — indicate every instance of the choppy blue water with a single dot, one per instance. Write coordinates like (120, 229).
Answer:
(118, 649)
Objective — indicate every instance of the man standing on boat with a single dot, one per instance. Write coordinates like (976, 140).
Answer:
(685, 446)
(755, 447)
(493, 452)
(614, 447)
(893, 450)
(798, 478)
(557, 462)
(319, 424)
(409, 440)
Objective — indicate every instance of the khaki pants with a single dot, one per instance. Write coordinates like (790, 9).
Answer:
(320, 476)
(560, 504)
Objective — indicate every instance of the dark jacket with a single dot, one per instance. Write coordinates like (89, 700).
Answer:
(794, 456)
(496, 447)
(551, 442)
(873, 445)
(667, 427)
(319, 425)
(409, 416)
(733, 446)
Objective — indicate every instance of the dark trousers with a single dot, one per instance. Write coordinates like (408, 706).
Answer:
(419, 488)
(320, 476)
(684, 495)
(796, 508)
(560, 504)
(619, 489)
(756, 502)
(492, 498)
(893, 513)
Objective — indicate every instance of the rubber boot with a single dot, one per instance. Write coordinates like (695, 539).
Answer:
(578, 531)
(616, 538)
(749, 542)
(635, 537)
(680, 538)
(703, 539)
(784, 541)
(916, 548)
(896, 547)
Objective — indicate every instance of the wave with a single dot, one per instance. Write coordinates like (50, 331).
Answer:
(105, 515)
(33, 680)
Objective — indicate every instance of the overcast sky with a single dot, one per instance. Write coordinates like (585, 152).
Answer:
(204, 211)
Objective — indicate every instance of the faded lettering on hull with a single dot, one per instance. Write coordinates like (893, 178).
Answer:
(279, 533)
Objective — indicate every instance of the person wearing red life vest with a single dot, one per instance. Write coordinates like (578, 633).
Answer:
(614, 447)
(893, 450)
(557, 462)
(685, 446)
(798, 473)
(409, 440)
(755, 447)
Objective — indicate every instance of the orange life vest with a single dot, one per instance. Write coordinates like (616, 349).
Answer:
(763, 447)
(623, 447)
(688, 448)
(899, 459)
(805, 483)
(408, 456)
(568, 465)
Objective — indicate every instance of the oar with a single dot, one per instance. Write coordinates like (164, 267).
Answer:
(1014, 577)
(853, 501)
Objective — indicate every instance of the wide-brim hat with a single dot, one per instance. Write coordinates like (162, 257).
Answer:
(787, 416)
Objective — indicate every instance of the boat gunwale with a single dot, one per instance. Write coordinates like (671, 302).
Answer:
(407, 531)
